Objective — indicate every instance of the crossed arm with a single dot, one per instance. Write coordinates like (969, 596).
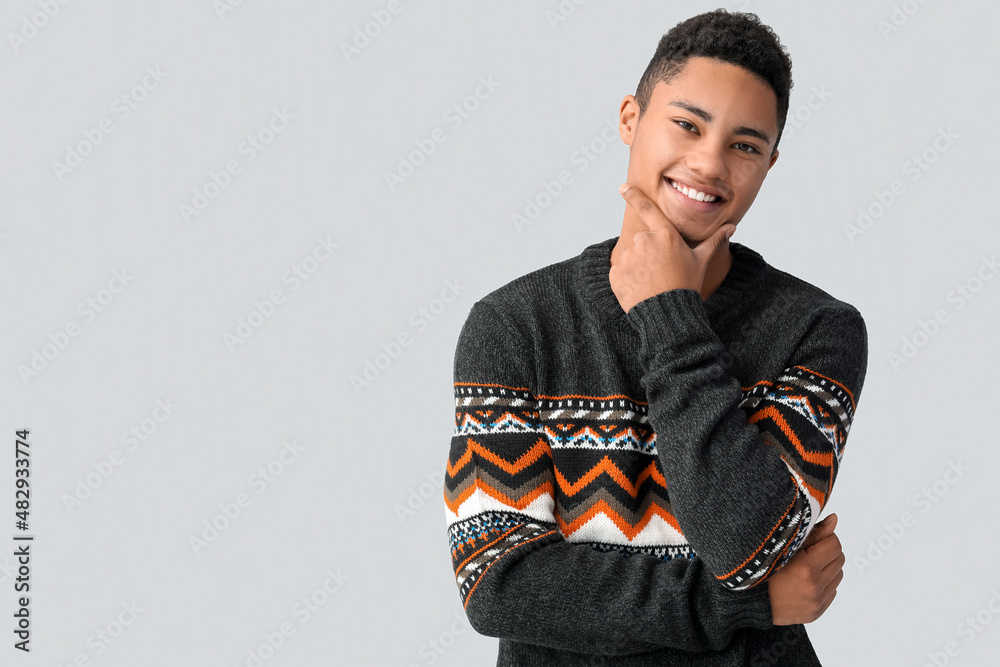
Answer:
(748, 469)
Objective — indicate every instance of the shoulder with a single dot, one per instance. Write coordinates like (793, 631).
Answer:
(800, 300)
(527, 301)
(502, 329)
(822, 334)
(790, 313)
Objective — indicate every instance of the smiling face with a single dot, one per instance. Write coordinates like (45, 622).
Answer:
(710, 130)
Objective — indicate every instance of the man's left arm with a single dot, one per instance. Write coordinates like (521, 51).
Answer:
(747, 476)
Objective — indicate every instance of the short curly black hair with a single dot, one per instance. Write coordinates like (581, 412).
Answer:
(734, 37)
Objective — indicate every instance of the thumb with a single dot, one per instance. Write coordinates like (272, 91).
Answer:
(821, 530)
(707, 248)
(722, 234)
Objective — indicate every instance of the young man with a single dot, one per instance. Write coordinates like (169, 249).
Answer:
(646, 433)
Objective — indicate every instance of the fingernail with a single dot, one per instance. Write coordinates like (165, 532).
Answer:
(623, 187)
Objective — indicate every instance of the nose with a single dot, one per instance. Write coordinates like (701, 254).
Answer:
(706, 159)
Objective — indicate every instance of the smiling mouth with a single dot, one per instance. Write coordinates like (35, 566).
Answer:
(693, 194)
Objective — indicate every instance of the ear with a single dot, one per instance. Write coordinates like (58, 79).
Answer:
(774, 158)
(628, 118)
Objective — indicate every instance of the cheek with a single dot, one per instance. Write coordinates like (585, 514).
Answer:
(655, 154)
(746, 178)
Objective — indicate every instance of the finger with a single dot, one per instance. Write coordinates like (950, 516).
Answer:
(833, 567)
(830, 591)
(826, 605)
(824, 527)
(831, 586)
(706, 248)
(827, 522)
(645, 208)
(824, 573)
(825, 551)
(819, 531)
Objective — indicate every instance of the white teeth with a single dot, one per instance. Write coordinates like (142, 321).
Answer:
(692, 193)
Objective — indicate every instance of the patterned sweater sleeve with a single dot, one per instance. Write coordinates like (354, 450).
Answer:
(517, 576)
(748, 471)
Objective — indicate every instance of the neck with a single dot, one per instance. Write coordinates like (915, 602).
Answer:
(718, 265)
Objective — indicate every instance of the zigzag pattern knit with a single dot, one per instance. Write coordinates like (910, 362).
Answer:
(624, 484)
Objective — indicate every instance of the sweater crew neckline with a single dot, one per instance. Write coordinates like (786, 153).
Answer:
(744, 278)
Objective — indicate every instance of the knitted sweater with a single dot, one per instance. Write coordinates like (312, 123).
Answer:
(620, 486)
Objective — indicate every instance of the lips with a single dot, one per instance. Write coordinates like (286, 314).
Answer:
(694, 204)
(707, 191)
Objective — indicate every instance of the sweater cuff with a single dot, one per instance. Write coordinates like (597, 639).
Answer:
(749, 608)
(674, 317)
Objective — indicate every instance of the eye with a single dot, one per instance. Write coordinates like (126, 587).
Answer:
(682, 123)
(753, 149)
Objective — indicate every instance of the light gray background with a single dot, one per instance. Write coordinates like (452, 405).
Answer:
(335, 507)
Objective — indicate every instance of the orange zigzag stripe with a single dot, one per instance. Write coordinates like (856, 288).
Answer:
(771, 412)
(824, 459)
(538, 450)
(630, 531)
(524, 501)
(605, 465)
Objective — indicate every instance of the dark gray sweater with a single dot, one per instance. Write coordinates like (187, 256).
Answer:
(620, 486)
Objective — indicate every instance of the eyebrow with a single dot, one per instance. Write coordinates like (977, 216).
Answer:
(707, 117)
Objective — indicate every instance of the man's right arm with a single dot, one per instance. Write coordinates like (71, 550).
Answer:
(517, 576)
